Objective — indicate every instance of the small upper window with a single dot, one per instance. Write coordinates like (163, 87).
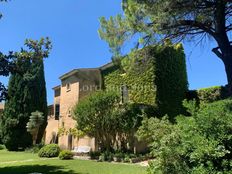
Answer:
(57, 111)
(69, 113)
(57, 92)
(68, 87)
(124, 93)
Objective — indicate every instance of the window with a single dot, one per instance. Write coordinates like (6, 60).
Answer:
(69, 113)
(57, 111)
(50, 110)
(68, 87)
(124, 93)
(57, 92)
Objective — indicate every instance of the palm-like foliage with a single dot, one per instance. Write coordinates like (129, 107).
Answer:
(35, 121)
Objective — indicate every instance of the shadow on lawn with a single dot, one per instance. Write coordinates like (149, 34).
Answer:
(44, 169)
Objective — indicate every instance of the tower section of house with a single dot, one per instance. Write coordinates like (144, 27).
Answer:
(75, 85)
(51, 132)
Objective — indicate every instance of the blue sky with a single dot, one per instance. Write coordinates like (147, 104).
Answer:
(72, 26)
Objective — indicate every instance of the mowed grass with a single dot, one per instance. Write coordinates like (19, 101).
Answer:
(25, 163)
(6, 156)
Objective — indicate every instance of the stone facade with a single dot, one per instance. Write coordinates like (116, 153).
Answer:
(75, 85)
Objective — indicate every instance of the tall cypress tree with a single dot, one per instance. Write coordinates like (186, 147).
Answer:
(15, 117)
(26, 94)
(39, 98)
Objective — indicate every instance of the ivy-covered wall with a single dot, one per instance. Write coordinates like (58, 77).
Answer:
(155, 75)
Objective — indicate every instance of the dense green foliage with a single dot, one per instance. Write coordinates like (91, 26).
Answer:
(49, 151)
(166, 19)
(35, 148)
(66, 155)
(155, 75)
(159, 20)
(208, 95)
(101, 115)
(26, 94)
(94, 116)
(35, 121)
(199, 144)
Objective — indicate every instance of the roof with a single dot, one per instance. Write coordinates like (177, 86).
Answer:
(56, 87)
(74, 71)
(108, 65)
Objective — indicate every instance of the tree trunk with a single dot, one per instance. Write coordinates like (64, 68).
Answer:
(225, 55)
(228, 68)
(34, 137)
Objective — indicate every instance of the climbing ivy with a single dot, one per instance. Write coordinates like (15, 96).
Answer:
(154, 75)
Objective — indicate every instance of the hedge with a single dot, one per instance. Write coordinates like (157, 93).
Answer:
(209, 95)
(49, 151)
(154, 75)
(66, 155)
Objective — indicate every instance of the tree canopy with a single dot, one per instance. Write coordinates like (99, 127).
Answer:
(26, 94)
(38, 49)
(154, 21)
(103, 116)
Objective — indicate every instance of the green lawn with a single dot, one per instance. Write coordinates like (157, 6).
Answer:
(24, 163)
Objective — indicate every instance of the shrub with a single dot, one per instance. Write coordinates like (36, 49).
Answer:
(118, 157)
(102, 158)
(49, 151)
(199, 144)
(34, 149)
(66, 155)
(126, 159)
(209, 95)
(94, 155)
(2, 147)
(106, 156)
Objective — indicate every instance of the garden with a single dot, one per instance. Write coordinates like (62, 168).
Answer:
(143, 112)
(27, 162)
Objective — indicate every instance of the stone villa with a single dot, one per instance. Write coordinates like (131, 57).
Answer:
(75, 85)
(143, 80)
(150, 78)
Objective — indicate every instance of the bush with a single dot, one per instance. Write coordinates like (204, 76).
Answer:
(66, 155)
(126, 159)
(106, 156)
(118, 157)
(199, 144)
(49, 151)
(209, 95)
(102, 158)
(94, 155)
(34, 149)
(2, 147)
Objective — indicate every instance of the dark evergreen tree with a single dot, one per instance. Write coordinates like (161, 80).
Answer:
(38, 100)
(26, 94)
